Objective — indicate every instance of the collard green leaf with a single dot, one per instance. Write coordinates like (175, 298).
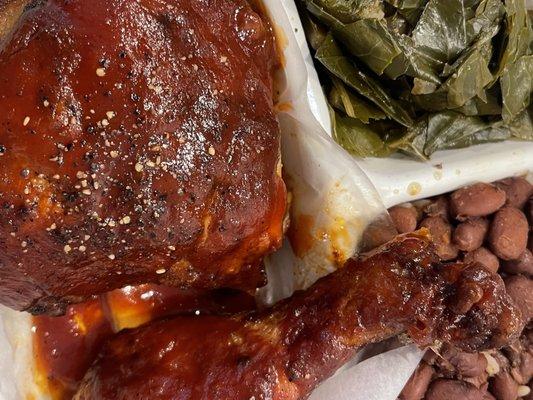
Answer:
(469, 80)
(367, 39)
(352, 105)
(330, 55)
(517, 85)
(488, 104)
(522, 126)
(432, 102)
(416, 62)
(489, 13)
(420, 76)
(348, 11)
(409, 9)
(314, 32)
(450, 130)
(357, 138)
(442, 29)
(516, 39)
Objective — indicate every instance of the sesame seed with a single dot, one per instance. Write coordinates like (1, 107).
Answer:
(113, 153)
(53, 226)
(87, 237)
(139, 167)
(82, 248)
(56, 177)
(46, 103)
(150, 163)
(67, 248)
(87, 192)
(111, 256)
(223, 59)
(100, 72)
(105, 122)
(125, 221)
(112, 224)
(161, 271)
(84, 183)
(81, 175)
(211, 150)
(96, 185)
(171, 248)
(26, 121)
(110, 114)
(24, 243)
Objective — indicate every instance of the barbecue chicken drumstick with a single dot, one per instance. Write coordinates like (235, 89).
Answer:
(138, 143)
(283, 353)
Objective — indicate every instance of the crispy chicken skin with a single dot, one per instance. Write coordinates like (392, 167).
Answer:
(284, 352)
(138, 143)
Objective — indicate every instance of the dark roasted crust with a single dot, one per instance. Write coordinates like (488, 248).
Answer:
(283, 353)
(137, 137)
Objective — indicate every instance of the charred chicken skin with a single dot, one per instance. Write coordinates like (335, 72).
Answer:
(285, 352)
(138, 143)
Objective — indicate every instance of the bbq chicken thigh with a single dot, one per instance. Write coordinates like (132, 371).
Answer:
(138, 143)
(285, 352)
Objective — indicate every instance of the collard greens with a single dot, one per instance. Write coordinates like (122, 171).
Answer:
(419, 76)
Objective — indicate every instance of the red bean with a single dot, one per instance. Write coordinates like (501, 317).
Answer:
(529, 210)
(477, 200)
(466, 364)
(484, 257)
(509, 233)
(526, 365)
(441, 233)
(404, 218)
(520, 289)
(517, 190)
(447, 389)
(523, 265)
(469, 235)
(504, 387)
(439, 207)
(416, 387)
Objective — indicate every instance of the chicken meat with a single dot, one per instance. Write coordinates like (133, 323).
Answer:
(138, 143)
(283, 353)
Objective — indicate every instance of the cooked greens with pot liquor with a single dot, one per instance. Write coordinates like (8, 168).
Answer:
(418, 76)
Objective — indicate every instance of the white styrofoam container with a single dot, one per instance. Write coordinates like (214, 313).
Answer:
(397, 179)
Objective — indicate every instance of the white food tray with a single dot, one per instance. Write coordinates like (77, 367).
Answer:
(396, 179)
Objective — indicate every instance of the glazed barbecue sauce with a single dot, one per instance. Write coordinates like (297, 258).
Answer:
(65, 347)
